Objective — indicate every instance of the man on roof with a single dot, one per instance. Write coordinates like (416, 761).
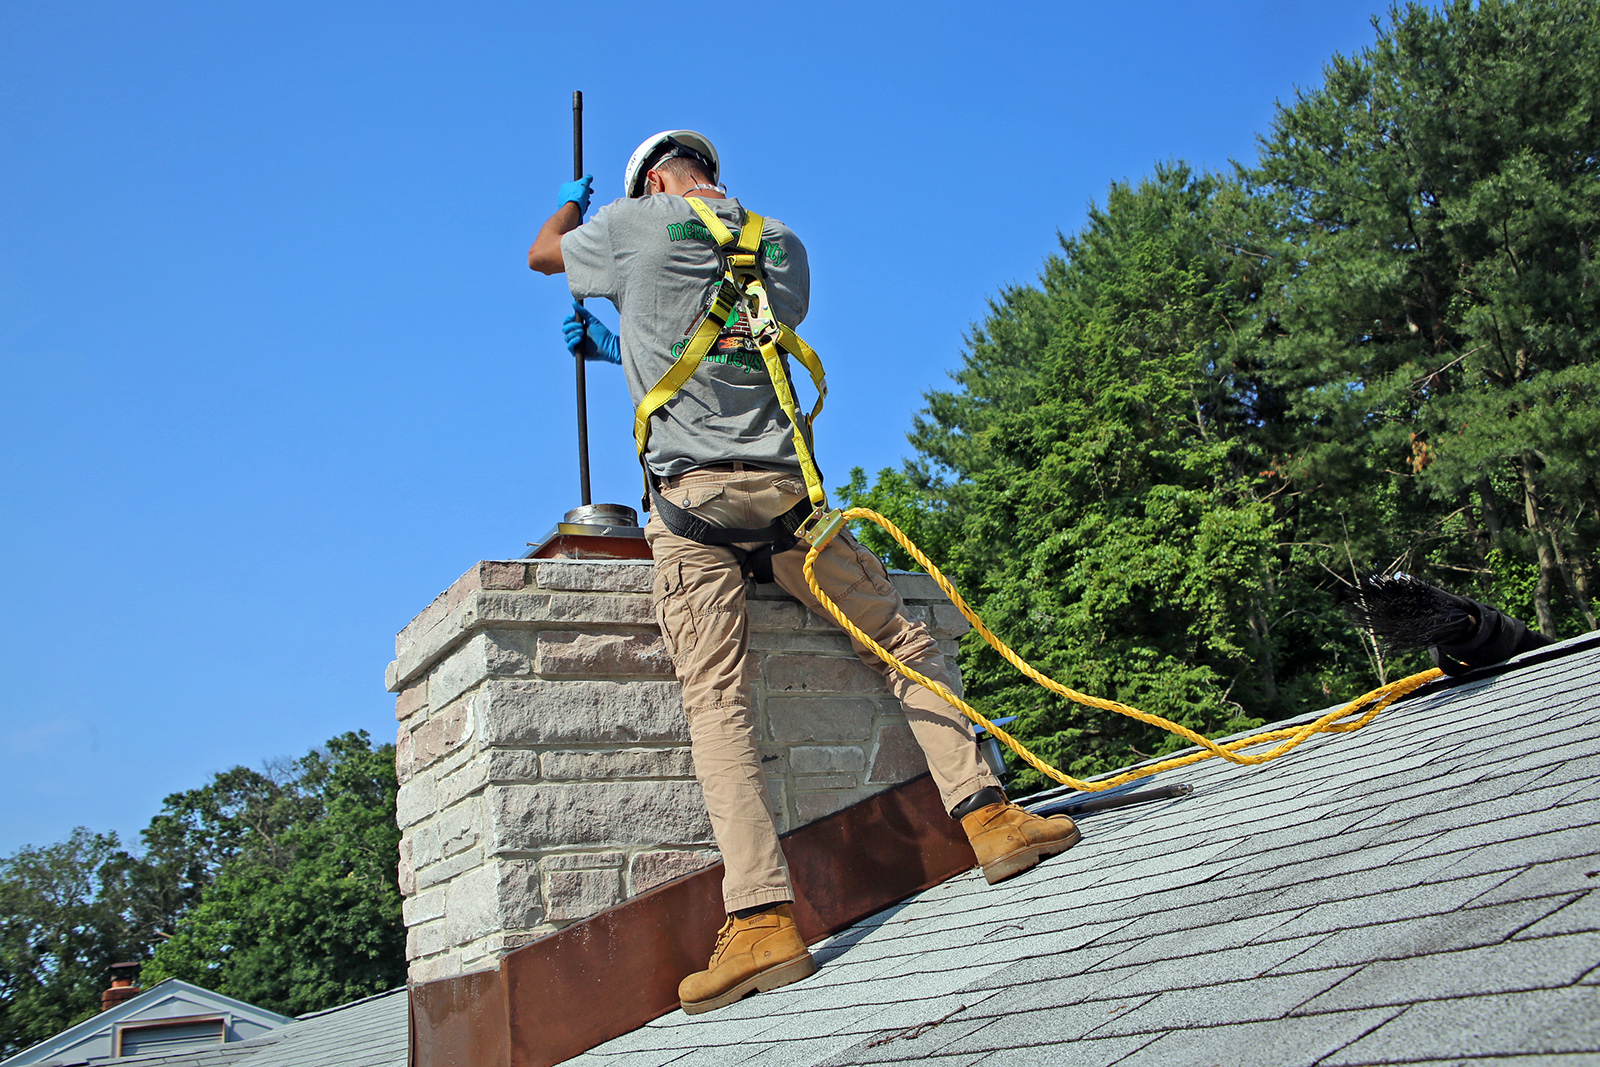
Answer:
(727, 472)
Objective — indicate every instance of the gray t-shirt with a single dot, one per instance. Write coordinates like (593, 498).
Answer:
(655, 260)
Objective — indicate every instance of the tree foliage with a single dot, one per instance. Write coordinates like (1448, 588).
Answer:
(1227, 396)
(303, 911)
(60, 928)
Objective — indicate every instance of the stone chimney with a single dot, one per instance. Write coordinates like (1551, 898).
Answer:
(544, 760)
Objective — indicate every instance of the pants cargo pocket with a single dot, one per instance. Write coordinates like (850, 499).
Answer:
(871, 567)
(672, 610)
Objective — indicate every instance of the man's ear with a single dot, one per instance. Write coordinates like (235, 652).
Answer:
(653, 182)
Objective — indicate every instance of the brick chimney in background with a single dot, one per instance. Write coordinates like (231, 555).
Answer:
(544, 760)
(124, 978)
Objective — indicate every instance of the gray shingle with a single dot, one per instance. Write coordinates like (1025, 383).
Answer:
(1542, 963)
(1541, 1021)
(1468, 928)
(1558, 878)
(1088, 1053)
(1027, 1025)
(901, 1043)
(1557, 1059)
(780, 1054)
(1276, 1043)
(1220, 965)
(1556, 846)
(1578, 915)
(1256, 1000)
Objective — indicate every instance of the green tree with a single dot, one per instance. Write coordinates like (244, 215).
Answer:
(1437, 315)
(302, 910)
(58, 934)
(1088, 486)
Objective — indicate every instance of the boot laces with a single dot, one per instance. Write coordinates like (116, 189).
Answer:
(724, 936)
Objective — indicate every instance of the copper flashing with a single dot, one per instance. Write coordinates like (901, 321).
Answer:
(617, 970)
(460, 1022)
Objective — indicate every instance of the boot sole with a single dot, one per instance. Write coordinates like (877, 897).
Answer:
(1025, 859)
(771, 978)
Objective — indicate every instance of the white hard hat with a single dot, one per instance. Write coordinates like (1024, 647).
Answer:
(696, 143)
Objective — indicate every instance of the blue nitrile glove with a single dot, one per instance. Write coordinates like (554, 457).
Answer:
(577, 192)
(584, 331)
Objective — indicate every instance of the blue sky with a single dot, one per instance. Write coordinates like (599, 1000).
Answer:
(275, 371)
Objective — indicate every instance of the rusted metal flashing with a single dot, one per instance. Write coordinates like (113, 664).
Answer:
(460, 1022)
(615, 971)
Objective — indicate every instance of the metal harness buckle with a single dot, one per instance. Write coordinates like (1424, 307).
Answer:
(820, 527)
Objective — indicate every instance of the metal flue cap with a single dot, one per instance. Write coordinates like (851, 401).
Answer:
(602, 515)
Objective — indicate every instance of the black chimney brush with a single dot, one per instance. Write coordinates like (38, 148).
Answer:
(1461, 634)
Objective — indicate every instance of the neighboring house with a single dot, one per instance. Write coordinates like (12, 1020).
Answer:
(172, 1016)
(175, 1024)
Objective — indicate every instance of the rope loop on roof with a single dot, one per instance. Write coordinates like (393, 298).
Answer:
(1352, 716)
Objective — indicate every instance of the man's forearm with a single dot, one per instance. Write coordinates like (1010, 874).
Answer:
(545, 254)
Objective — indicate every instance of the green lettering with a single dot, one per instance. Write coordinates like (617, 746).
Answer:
(691, 230)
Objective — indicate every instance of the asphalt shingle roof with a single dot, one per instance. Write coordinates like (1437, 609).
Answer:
(1425, 890)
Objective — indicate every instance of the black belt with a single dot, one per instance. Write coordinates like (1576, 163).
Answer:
(778, 535)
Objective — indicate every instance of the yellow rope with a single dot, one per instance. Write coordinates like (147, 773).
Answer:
(1373, 702)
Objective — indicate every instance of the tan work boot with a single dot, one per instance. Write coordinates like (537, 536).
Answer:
(752, 955)
(1009, 840)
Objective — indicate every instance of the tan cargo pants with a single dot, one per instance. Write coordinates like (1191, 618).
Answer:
(699, 597)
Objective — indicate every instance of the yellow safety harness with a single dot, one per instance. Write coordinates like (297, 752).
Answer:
(742, 288)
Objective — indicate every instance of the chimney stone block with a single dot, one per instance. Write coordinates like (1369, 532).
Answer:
(466, 667)
(568, 654)
(460, 827)
(463, 783)
(425, 907)
(801, 719)
(513, 765)
(821, 674)
(411, 700)
(404, 756)
(813, 759)
(579, 894)
(809, 807)
(426, 846)
(443, 733)
(896, 756)
(618, 763)
(415, 801)
(407, 873)
(568, 712)
(614, 576)
(650, 869)
(528, 818)
(450, 867)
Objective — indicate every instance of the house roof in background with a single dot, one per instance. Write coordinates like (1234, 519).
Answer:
(1423, 890)
(371, 1032)
(172, 999)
